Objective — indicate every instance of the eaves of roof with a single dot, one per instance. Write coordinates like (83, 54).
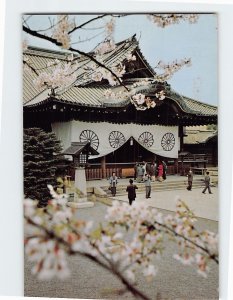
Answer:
(81, 93)
(192, 106)
(199, 137)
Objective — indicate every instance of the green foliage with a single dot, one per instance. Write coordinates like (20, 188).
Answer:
(42, 159)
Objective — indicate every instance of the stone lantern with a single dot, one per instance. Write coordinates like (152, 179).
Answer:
(80, 153)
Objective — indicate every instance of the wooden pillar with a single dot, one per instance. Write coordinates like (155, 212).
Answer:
(176, 166)
(181, 136)
(103, 166)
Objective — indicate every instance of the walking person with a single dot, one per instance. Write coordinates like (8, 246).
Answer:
(207, 183)
(131, 189)
(160, 172)
(148, 185)
(190, 180)
(113, 184)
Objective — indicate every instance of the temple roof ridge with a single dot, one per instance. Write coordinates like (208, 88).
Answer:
(191, 105)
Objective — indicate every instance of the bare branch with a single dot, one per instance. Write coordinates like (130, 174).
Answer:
(88, 39)
(24, 21)
(88, 22)
(94, 19)
(33, 69)
(52, 25)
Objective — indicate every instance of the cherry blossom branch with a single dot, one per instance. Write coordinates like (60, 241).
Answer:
(211, 256)
(106, 243)
(116, 272)
(163, 20)
(54, 41)
(111, 268)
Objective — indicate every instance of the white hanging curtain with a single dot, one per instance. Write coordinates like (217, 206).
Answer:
(63, 133)
(107, 137)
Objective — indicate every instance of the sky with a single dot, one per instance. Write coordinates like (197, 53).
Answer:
(196, 41)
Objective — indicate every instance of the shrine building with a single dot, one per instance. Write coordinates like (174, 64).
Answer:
(120, 133)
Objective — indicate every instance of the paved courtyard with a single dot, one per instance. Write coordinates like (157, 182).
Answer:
(174, 281)
(203, 205)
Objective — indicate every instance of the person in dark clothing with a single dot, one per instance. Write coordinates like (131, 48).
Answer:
(207, 183)
(190, 180)
(131, 189)
(164, 170)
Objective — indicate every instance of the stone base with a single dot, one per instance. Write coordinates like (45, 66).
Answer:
(80, 204)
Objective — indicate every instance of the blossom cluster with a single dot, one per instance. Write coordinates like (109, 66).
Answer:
(60, 75)
(110, 27)
(164, 20)
(160, 95)
(104, 47)
(108, 44)
(171, 68)
(62, 29)
(141, 102)
(121, 95)
(131, 57)
(100, 73)
(196, 248)
(127, 241)
(40, 248)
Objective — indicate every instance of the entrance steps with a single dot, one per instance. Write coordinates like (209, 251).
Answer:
(157, 186)
(97, 190)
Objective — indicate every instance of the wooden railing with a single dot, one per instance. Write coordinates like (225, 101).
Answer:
(97, 173)
(123, 170)
(195, 158)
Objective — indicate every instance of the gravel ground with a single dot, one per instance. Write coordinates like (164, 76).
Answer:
(88, 281)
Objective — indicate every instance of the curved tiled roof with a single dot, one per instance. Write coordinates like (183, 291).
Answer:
(192, 106)
(39, 59)
(83, 91)
(199, 136)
